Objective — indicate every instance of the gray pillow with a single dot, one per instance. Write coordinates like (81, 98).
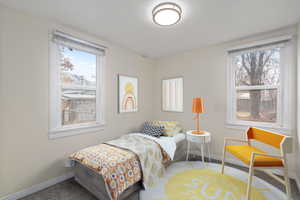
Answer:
(152, 130)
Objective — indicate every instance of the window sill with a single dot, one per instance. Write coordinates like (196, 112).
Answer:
(244, 126)
(75, 130)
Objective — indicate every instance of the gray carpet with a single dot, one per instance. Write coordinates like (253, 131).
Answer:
(71, 190)
(67, 190)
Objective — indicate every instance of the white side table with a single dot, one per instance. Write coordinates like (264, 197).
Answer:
(203, 139)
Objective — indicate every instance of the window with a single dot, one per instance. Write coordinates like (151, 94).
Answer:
(257, 80)
(76, 101)
(172, 95)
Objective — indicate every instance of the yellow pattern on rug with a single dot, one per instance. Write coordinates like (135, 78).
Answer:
(205, 184)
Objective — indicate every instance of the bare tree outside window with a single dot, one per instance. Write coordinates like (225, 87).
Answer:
(78, 85)
(257, 80)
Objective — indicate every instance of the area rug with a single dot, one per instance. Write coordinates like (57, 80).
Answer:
(195, 181)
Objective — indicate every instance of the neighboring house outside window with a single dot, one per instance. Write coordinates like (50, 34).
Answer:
(257, 85)
(76, 99)
(172, 94)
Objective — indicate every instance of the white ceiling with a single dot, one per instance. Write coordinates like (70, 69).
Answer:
(128, 23)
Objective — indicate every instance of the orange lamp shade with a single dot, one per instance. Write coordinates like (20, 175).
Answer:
(198, 105)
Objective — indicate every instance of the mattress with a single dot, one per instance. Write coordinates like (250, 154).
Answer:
(94, 183)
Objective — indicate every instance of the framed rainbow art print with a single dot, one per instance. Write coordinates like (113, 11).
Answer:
(128, 94)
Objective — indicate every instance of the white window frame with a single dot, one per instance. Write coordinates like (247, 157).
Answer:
(172, 107)
(283, 90)
(56, 129)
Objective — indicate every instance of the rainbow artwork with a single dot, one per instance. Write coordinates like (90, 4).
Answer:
(128, 90)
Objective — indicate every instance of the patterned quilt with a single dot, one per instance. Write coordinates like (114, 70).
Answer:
(150, 154)
(124, 161)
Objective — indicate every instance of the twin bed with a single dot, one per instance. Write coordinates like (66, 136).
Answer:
(120, 168)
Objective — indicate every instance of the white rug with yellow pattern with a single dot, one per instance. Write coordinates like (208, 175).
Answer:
(193, 181)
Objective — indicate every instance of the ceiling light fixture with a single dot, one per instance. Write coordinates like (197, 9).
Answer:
(166, 14)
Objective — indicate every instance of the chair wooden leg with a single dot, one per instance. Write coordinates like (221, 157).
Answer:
(287, 183)
(251, 170)
(223, 159)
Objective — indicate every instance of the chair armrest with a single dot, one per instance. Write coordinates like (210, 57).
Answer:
(265, 154)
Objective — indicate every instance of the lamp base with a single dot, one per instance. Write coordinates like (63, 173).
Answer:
(198, 132)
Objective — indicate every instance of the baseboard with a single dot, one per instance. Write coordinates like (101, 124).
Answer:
(37, 187)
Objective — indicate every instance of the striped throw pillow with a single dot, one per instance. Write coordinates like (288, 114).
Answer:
(171, 128)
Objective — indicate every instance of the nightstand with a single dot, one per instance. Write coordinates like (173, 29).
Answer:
(203, 140)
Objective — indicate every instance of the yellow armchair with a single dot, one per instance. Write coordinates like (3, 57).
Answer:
(258, 159)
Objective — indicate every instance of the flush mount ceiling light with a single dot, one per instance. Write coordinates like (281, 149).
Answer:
(166, 14)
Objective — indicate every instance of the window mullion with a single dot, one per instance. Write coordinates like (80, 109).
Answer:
(257, 87)
(75, 87)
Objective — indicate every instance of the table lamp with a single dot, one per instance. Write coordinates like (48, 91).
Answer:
(198, 108)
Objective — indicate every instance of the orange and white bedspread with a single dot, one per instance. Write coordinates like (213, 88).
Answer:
(124, 161)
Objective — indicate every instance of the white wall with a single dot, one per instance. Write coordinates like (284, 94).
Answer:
(204, 71)
(27, 156)
(298, 103)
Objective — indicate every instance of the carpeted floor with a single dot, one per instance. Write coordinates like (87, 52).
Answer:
(67, 190)
(71, 190)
